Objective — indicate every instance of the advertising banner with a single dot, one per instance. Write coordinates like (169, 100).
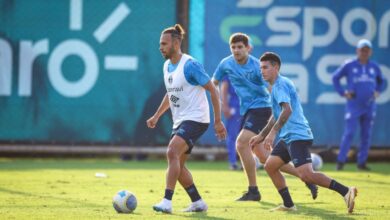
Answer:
(82, 71)
(313, 39)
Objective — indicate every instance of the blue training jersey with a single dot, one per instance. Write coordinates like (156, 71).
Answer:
(247, 81)
(194, 72)
(296, 127)
(363, 80)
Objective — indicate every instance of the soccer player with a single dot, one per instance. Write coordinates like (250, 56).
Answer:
(186, 83)
(289, 123)
(364, 83)
(243, 71)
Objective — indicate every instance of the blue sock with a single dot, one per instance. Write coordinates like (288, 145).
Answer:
(287, 201)
(168, 194)
(253, 189)
(338, 187)
(193, 193)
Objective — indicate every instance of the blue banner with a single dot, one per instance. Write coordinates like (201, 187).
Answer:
(313, 39)
(82, 71)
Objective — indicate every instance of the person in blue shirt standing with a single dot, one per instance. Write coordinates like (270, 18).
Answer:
(290, 126)
(243, 71)
(231, 111)
(364, 83)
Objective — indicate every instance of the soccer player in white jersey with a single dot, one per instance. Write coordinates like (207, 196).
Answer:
(243, 71)
(289, 125)
(186, 82)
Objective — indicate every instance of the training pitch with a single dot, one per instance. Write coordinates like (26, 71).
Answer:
(69, 189)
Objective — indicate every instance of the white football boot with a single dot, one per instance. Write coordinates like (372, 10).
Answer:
(349, 198)
(197, 206)
(164, 206)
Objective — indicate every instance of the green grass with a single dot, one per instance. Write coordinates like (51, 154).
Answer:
(68, 189)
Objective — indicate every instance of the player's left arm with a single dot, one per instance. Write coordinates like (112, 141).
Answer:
(218, 124)
(283, 117)
(380, 82)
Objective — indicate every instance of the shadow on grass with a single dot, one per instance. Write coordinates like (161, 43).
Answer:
(202, 215)
(308, 212)
(327, 214)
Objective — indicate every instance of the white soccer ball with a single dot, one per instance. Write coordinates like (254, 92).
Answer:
(316, 161)
(124, 202)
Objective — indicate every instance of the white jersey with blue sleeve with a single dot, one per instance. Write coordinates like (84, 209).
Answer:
(187, 97)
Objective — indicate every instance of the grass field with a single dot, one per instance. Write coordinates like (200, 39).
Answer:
(68, 189)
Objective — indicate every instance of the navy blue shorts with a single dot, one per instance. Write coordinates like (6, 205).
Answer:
(256, 119)
(190, 131)
(296, 151)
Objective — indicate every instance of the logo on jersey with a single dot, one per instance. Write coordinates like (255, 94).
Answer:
(372, 71)
(170, 79)
(355, 70)
(248, 74)
(174, 99)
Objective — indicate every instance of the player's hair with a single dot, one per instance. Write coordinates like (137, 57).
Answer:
(272, 57)
(239, 37)
(176, 31)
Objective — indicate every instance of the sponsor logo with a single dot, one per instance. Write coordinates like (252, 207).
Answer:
(85, 51)
(175, 89)
(174, 99)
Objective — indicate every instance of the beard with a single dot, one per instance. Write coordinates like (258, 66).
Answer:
(166, 56)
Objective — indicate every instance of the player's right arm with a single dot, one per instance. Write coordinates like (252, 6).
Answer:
(338, 74)
(152, 121)
(225, 99)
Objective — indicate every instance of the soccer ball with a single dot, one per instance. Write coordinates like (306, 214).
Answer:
(316, 161)
(124, 202)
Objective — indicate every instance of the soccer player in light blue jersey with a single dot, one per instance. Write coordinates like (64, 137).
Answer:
(290, 125)
(186, 83)
(243, 71)
(364, 83)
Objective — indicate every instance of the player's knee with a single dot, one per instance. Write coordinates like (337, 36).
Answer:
(172, 153)
(269, 168)
(261, 155)
(262, 158)
(241, 145)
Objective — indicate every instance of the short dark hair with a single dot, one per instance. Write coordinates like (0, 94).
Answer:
(239, 37)
(176, 31)
(272, 57)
